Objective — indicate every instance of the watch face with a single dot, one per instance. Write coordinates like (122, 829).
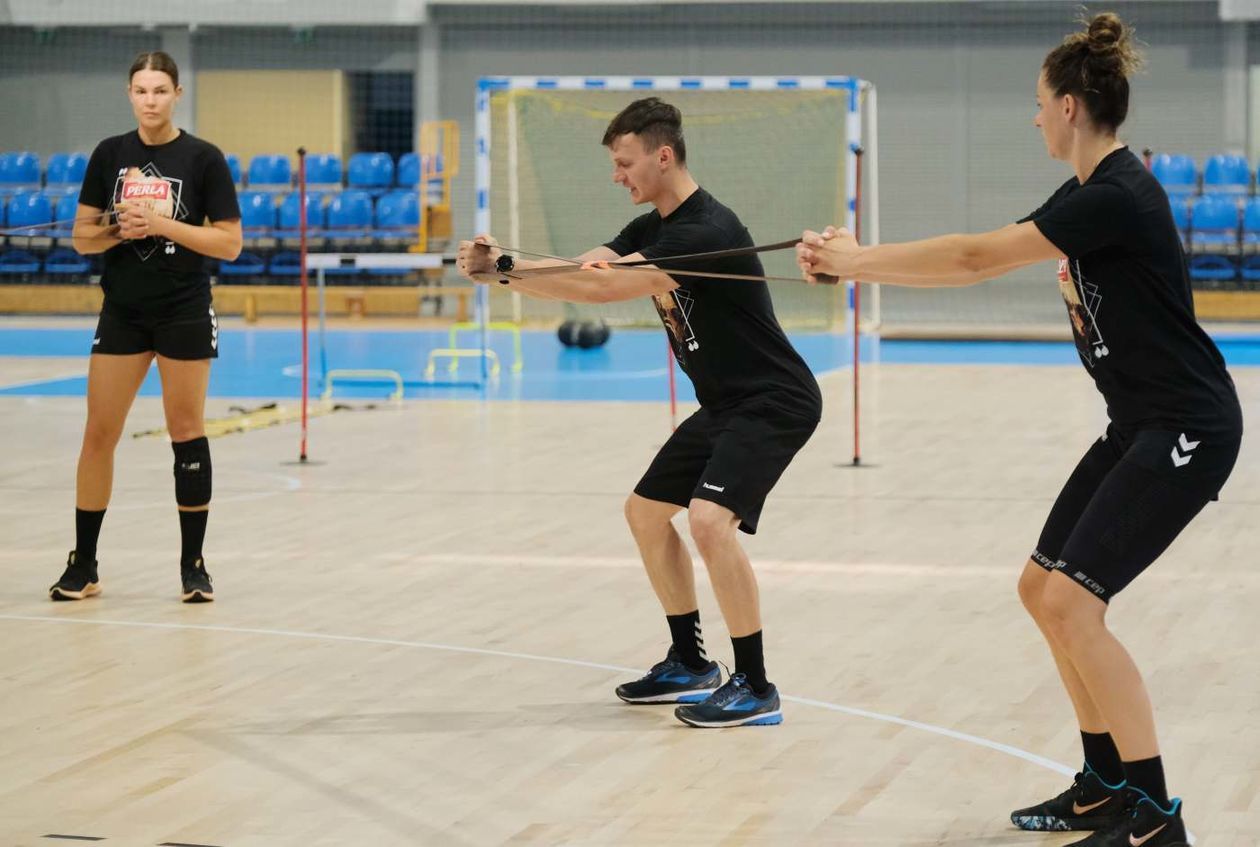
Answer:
(504, 263)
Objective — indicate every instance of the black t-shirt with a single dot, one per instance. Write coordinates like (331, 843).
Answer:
(724, 332)
(1127, 290)
(187, 179)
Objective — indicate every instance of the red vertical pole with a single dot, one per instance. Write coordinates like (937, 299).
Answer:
(306, 347)
(857, 320)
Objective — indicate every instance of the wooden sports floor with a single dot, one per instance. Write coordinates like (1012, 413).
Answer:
(417, 637)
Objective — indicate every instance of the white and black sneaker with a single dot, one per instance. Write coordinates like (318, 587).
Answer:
(77, 582)
(670, 681)
(198, 587)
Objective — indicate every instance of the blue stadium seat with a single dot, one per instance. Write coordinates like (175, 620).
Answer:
(30, 209)
(19, 171)
(408, 170)
(25, 209)
(65, 173)
(258, 218)
(1176, 173)
(245, 265)
(1226, 174)
(323, 172)
(290, 229)
(286, 266)
(18, 263)
(350, 218)
(1251, 240)
(65, 208)
(397, 219)
(65, 262)
(234, 167)
(373, 172)
(1214, 243)
(270, 173)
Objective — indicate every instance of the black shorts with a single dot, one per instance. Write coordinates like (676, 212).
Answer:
(1129, 497)
(731, 458)
(186, 333)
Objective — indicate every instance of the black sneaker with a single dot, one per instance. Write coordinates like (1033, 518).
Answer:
(1147, 825)
(77, 582)
(197, 585)
(1089, 804)
(670, 681)
(734, 704)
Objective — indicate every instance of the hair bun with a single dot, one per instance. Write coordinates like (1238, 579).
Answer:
(1106, 33)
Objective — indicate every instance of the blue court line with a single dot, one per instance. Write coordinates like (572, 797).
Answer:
(631, 367)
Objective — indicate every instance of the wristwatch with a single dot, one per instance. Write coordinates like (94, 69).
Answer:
(504, 264)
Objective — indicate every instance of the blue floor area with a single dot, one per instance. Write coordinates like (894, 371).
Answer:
(264, 363)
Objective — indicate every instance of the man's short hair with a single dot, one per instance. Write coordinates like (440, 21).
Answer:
(656, 122)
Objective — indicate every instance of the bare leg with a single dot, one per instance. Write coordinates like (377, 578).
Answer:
(665, 557)
(1032, 585)
(112, 385)
(1076, 621)
(713, 528)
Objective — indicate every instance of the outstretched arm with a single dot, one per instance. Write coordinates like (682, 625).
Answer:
(948, 260)
(574, 285)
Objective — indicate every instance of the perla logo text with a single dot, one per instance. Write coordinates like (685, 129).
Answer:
(152, 190)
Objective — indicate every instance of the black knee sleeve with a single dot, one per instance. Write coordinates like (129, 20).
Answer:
(192, 471)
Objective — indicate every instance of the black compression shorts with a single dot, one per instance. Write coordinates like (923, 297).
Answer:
(1129, 497)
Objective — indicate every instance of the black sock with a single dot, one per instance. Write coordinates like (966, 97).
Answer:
(192, 532)
(689, 644)
(1147, 776)
(87, 529)
(1102, 757)
(751, 661)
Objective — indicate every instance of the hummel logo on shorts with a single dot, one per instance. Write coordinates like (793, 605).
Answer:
(717, 488)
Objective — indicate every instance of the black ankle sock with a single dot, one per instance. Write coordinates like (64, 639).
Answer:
(87, 529)
(192, 532)
(751, 661)
(688, 642)
(1102, 757)
(1147, 776)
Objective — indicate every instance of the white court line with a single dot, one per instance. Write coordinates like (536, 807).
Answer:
(30, 383)
(288, 485)
(1007, 749)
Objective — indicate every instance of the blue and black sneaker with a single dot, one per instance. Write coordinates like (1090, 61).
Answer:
(1089, 804)
(1146, 825)
(670, 681)
(734, 704)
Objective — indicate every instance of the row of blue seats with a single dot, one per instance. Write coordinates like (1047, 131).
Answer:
(1221, 235)
(60, 262)
(376, 172)
(347, 214)
(21, 172)
(65, 265)
(1223, 173)
(38, 208)
(344, 215)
